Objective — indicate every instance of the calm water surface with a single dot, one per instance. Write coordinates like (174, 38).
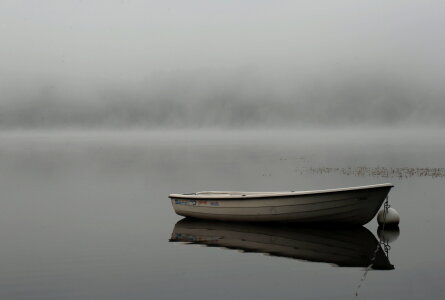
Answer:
(85, 215)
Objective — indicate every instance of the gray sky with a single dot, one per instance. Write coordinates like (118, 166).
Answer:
(165, 56)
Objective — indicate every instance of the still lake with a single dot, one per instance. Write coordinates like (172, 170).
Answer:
(86, 215)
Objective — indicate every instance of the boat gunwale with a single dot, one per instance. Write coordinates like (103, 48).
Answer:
(269, 195)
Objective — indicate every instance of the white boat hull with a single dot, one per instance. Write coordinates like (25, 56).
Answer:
(356, 205)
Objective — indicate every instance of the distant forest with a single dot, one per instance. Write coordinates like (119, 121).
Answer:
(231, 103)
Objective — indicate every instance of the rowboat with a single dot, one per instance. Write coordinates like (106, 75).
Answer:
(341, 246)
(351, 205)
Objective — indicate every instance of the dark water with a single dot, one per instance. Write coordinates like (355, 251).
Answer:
(86, 215)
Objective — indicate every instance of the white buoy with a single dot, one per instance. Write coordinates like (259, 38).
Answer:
(391, 219)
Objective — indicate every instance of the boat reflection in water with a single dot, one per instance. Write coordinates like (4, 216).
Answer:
(344, 247)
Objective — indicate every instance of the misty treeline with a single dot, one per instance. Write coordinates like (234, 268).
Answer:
(243, 99)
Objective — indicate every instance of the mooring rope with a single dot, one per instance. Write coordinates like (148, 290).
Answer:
(386, 206)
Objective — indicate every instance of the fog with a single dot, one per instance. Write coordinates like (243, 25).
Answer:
(237, 64)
